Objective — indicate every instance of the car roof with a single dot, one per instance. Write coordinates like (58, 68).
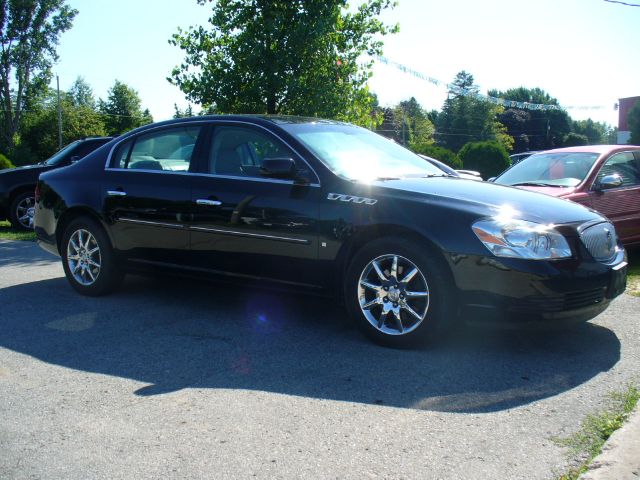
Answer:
(600, 149)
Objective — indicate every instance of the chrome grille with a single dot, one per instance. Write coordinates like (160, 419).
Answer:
(601, 241)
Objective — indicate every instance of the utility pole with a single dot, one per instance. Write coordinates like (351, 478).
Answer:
(59, 114)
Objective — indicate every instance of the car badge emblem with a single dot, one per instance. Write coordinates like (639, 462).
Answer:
(350, 198)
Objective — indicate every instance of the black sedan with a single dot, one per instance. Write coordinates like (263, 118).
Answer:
(17, 184)
(328, 207)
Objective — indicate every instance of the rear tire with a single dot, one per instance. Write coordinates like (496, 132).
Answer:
(399, 293)
(88, 258)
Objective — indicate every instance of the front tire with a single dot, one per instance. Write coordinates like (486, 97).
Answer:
(88, 259)
(21, 211)
(399, 293)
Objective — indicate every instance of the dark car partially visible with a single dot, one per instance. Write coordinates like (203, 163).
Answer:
(17, 184)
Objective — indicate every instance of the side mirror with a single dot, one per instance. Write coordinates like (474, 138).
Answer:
(609, 181)
(281, 167)
(491, 179)
(74, 159)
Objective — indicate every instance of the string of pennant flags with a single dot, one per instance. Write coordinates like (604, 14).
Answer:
(472, 93)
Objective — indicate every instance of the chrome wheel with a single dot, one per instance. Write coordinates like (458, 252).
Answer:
(83, 257)
(25, 210)
(393, 295)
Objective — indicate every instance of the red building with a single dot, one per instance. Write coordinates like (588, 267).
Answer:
(624, 106)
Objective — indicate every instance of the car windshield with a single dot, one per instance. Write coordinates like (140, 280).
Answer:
(358, 154)
(60, 155)
(562, 169)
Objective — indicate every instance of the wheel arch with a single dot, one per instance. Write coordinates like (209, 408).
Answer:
(21, 189)
(75, 212)
(375, 232)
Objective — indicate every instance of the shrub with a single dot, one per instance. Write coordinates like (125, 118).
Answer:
(439, 153)
(488, 158)
(23, 155)
(5, 162)
(575, 140)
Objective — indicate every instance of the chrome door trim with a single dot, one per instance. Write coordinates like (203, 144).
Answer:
(250, 235)
(235, 233)
(152, 223)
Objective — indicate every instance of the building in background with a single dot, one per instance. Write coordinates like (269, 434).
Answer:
(624, 106)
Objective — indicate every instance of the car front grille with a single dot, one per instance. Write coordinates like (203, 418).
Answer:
(601, 241)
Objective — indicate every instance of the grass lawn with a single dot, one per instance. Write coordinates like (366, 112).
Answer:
(633, 278)
(8, 233)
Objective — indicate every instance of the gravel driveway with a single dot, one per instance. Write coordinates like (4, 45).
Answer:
(182, 379)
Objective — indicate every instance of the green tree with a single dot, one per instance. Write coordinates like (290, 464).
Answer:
(543, 129)
(597, 133)
(467, 117)
(122, 111)
(300, 57)
(488, 158)
(40, 131)
(187, 112)
(29, 34)
(81, 94)
(407, 123)
(633, 119)
(413, 124)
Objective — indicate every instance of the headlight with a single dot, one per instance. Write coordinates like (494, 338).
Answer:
(521, 239)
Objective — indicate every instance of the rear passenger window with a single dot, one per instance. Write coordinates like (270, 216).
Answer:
(166, 150)
(625, 165)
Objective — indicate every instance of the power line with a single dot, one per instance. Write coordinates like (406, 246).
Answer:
(469, 92)
(623, 3)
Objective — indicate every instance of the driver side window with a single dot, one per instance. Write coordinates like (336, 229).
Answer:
(239, 151)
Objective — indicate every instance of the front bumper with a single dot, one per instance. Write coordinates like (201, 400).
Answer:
(4, 206)
(526, 292)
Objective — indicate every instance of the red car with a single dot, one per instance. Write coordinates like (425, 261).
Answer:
(603, 177)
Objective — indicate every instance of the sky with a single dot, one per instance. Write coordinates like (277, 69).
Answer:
(583, 52)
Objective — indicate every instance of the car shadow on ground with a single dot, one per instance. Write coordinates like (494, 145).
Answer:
(17, 254)
(176, 333)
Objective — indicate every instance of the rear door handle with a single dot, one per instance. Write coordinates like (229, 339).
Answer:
(212, 203)
(116, 193)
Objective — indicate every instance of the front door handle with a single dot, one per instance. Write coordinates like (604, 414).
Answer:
(212, 203)
(116, 193)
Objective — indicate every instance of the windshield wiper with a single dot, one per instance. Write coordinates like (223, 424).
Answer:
(535, 184)
(428, 175)
(382, 179)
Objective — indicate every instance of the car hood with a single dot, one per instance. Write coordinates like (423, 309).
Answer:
(488, 199)
(21, 169)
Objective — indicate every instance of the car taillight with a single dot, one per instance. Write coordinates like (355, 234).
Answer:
(36, 194)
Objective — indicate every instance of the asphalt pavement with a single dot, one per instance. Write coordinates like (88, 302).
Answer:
(176, 378)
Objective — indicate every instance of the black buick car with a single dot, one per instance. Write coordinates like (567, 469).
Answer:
(331, 208)
(18, 184)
